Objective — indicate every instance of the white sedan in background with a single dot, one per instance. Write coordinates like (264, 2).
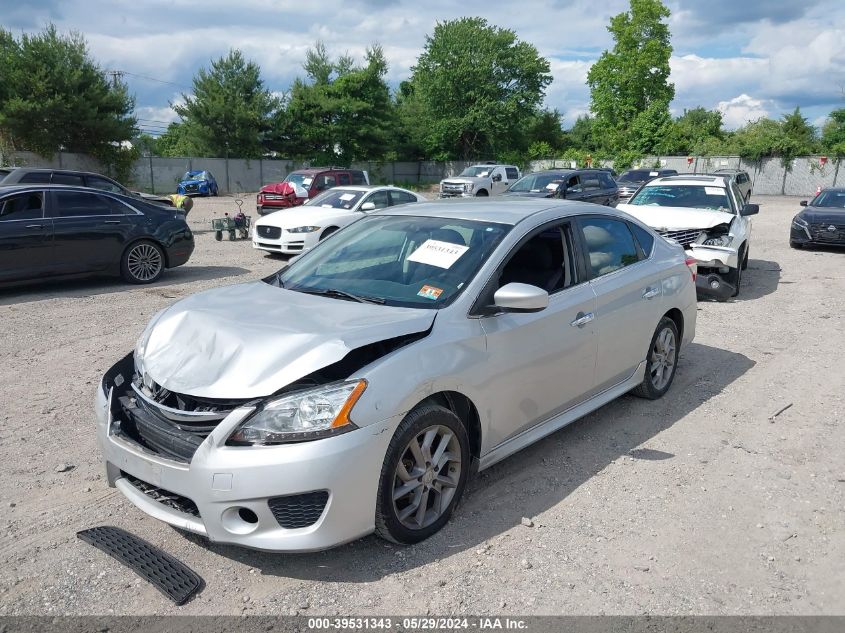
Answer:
(296, 230)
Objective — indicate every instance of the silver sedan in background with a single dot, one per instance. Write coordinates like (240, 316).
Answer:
(357, 389)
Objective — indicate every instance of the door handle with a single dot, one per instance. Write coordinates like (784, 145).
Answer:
(582, 319)
(35, 226)
(651, 293)
(111, 221)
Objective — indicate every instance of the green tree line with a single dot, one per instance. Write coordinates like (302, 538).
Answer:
(476, 91)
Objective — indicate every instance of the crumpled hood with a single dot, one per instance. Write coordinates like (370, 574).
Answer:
(676, 218)
(193, 181)
(820, 215)
(250, 340)
(281, 188)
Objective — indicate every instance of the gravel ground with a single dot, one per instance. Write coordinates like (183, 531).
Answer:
(700, 503)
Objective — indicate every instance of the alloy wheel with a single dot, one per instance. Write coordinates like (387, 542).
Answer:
(663, 359)
(144, 262)
(426, 477)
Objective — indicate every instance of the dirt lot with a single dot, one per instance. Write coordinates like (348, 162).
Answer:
(695, 504)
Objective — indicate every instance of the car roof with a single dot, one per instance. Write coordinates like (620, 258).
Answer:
(367, 188)
(11, 187)
(507, 211)
(53, 169)
(728, 170)
(694, 179)
(833, 189)
(320, 170)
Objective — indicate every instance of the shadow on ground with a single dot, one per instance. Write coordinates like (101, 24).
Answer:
(79, 288)
(529, 482)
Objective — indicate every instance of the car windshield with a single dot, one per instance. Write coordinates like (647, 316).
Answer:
(477, 171)
(691, 196)
(636, 175)
(303, 180)
(195, 175)
(537, 182)
(410, 261)
(337, 199)
(830, 199)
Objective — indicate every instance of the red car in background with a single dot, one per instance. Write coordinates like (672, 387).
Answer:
(303, 184)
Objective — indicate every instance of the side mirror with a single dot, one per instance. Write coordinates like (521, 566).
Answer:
(497, 178)
(516, 297)
(803, 203)
(368, 206)
(750, 209)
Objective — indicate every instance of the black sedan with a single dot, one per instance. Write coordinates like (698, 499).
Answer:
(822, 221)
(58, 231)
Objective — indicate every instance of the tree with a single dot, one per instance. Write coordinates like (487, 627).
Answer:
(697, 131)
(581, 136)
(178, 140)
(633, 78)
(798, 131)
(833, 134)
(230, 111)
(472, 85)
(343, 113)
(53, 97)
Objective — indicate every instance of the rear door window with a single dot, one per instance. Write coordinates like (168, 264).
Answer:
(400, 197)
(39, 177)
(610, 245)
(512, 173)
(380, 198)
(62, 178)
(22, 206)
(68, 204)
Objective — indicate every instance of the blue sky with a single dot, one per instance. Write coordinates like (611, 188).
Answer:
(748, 58)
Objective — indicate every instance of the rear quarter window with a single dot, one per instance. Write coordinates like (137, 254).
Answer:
(644, 239)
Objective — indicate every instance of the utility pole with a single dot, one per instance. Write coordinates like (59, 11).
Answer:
(116, 75)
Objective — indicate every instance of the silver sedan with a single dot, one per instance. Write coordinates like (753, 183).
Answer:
(359, 388)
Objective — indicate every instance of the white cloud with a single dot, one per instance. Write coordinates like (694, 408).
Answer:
(740, 110)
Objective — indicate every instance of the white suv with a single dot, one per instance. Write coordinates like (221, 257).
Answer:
(708, 216)
(488, 179)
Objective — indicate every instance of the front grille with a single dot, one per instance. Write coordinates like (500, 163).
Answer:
(273, 196)
(452, 188)
(270, 232)
(192, 187)
(822, 232)
(299, 511)
(684, 238)
(170, 424)
(162, 496)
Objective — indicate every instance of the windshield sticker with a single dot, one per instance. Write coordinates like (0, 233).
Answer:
(347, 196)
(714, 191)
(552, 185)
(306, 182)
(437, 253)
(653, 173)
(430, 292)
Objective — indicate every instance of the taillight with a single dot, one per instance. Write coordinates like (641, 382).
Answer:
(692, 264)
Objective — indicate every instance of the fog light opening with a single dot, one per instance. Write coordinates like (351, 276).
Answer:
(247, 515)
(714, 283)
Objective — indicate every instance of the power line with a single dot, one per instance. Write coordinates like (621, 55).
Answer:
(115, 73)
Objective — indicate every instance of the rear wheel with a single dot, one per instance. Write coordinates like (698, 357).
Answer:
(661, 362)
(423, 476)
(142, 263)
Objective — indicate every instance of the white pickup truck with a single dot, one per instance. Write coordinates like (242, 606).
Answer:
(489, 179)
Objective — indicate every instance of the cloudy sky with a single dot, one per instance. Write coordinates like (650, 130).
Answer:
(748, 58)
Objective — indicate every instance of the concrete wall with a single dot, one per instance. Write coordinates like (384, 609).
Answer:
(235, 175)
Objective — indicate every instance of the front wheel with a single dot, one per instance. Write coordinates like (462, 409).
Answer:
(482, 193)
(142, 263)
(423, 476)
(661, 362)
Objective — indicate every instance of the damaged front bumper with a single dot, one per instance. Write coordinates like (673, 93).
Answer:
(714, 266)
(297, 497)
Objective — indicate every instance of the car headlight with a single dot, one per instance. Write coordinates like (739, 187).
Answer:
(469, 187)
(719, 240)
(800, 223)
(303, 415)
(304, 229)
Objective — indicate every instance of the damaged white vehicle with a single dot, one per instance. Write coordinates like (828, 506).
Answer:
(708, 216)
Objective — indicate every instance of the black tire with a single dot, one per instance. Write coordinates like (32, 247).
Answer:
(388, 524)
(796, 244)
(745, 260)
(482, 193)
(328, 232)
(650, 388)
(735, 277)
(143, 262)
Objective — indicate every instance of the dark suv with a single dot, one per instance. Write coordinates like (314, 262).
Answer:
(586, 185)
(633, 179)
(740, 177)
(303, 184)
(47, 176)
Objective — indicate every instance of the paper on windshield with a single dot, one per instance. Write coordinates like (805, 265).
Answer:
(552, 185)
(714, 191)
(653, 173)
(306, 182)
(437, 253)
(347, 197)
